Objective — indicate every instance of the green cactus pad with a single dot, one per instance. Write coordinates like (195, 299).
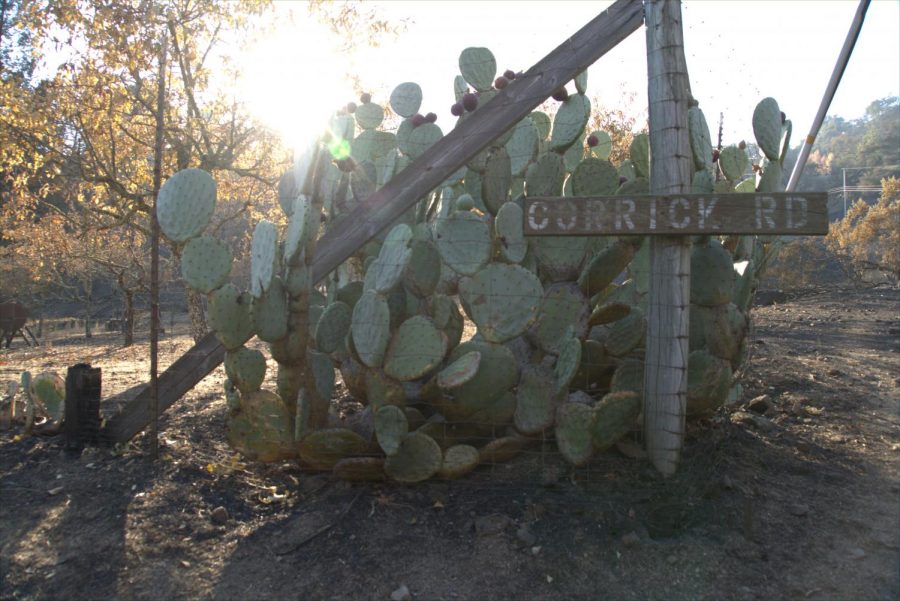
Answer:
(640, 155)
(464, 241)
(501, 450)
(767, 127)
(422, 138)
(424, 269)
(382, 390)
(542, 123)
(478, 67)
(406, 99)
(608, 313)
(288, 190)
(185, 204)
(508, 232)
(734, 162)
(323, 449)
(567, 363)
(604, 267)
(371, 327)
(323, 373)
(770, 180)
(569, 122)
(701, 143)
(626, 334)
(418, 458)
(460, 87)
(460, 371)
(49, 391)
(604, 145)
(205, 263)
(709, 380)
(581, 82)
(545, 177)
(522, 146)
(458, 461)
(495, 180)
(702, 182)
(371, 145)
(594, 177)
(350, 293)
(246, 368)
(712, 274)
(369, 115)
(230, 316)
(572, 157)
(333, 326)
(614, 417)
(573, 432)
(360, 469)
(626, 169)
(559, 258)
(629, 376)
(495, 412)
(392, 259)
(416, 348)
(270, 312)
(502, 300)
(300, 227)
(497, 373)
(747, 186)
(232, 396)
(390, 428)
(563, 306)
(536, 400)
(263, 252)
(262, 429)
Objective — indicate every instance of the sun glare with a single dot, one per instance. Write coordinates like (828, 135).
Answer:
(293, 80)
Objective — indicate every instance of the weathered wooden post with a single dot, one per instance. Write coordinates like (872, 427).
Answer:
(669, 296)
(82, 422)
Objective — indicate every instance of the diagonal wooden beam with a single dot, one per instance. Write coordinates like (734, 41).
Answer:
(423, 175)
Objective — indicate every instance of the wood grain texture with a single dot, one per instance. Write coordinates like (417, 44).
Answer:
(782, 213)
(665, 368)
(387, 204)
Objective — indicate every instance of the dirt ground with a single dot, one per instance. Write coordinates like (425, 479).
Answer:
(799, 502)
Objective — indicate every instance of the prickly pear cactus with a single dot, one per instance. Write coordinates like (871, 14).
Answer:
(559, 321)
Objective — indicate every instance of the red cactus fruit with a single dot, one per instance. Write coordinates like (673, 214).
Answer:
(457, 109)
(742, 145)
(509, 74)
(622, 179)
(501, 82)
(561, 94)
(351, 107)
(417, 120)
(430, 117)
(592, 140)
(365, 98)
(470, 102)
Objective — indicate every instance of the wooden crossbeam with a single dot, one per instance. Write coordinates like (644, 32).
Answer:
(386, 205)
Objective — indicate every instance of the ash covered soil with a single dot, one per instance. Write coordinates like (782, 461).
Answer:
(793, 496)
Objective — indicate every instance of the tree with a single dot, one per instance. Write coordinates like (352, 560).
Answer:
(869, 235)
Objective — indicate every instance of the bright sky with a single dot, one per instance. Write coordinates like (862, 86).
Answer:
(737, 52)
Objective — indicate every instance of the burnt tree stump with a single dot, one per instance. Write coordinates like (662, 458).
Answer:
(82, 423)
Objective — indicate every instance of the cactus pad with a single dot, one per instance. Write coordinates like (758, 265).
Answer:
(568, 362)
(614, 416)
(709, 380)
(535, 401)
(371, 327)
(626, 334)
(424, 269)
(390, 428)
(49, 391)
(246, 368)
(478, 67)
(185, 204)
(569, 122)
(522, 146)
(502, 300)
(230, 316)
(418, 458)
(495, 180)
(205, 263)
(460, 371)
(640, 155)
(604, 267)
(767, 127)
(594, 177)
(563, 306)
(422, 138)
(333, 326)
(406, 99)
(382, 390)
(701, 143)
(629, 376)
(712, 274)
(263, 251)
(270, 313)
(545, 176)
(734, 162)
(416, 348)
(501, 450)
(262, 429)
(392, 259)
(322, 449)
(458, 461)
(464, 241)
(603, 148)
(369, 115)
(508, 232)
(573, 432)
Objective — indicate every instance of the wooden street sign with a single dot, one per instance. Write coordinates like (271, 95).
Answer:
(796, 213)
